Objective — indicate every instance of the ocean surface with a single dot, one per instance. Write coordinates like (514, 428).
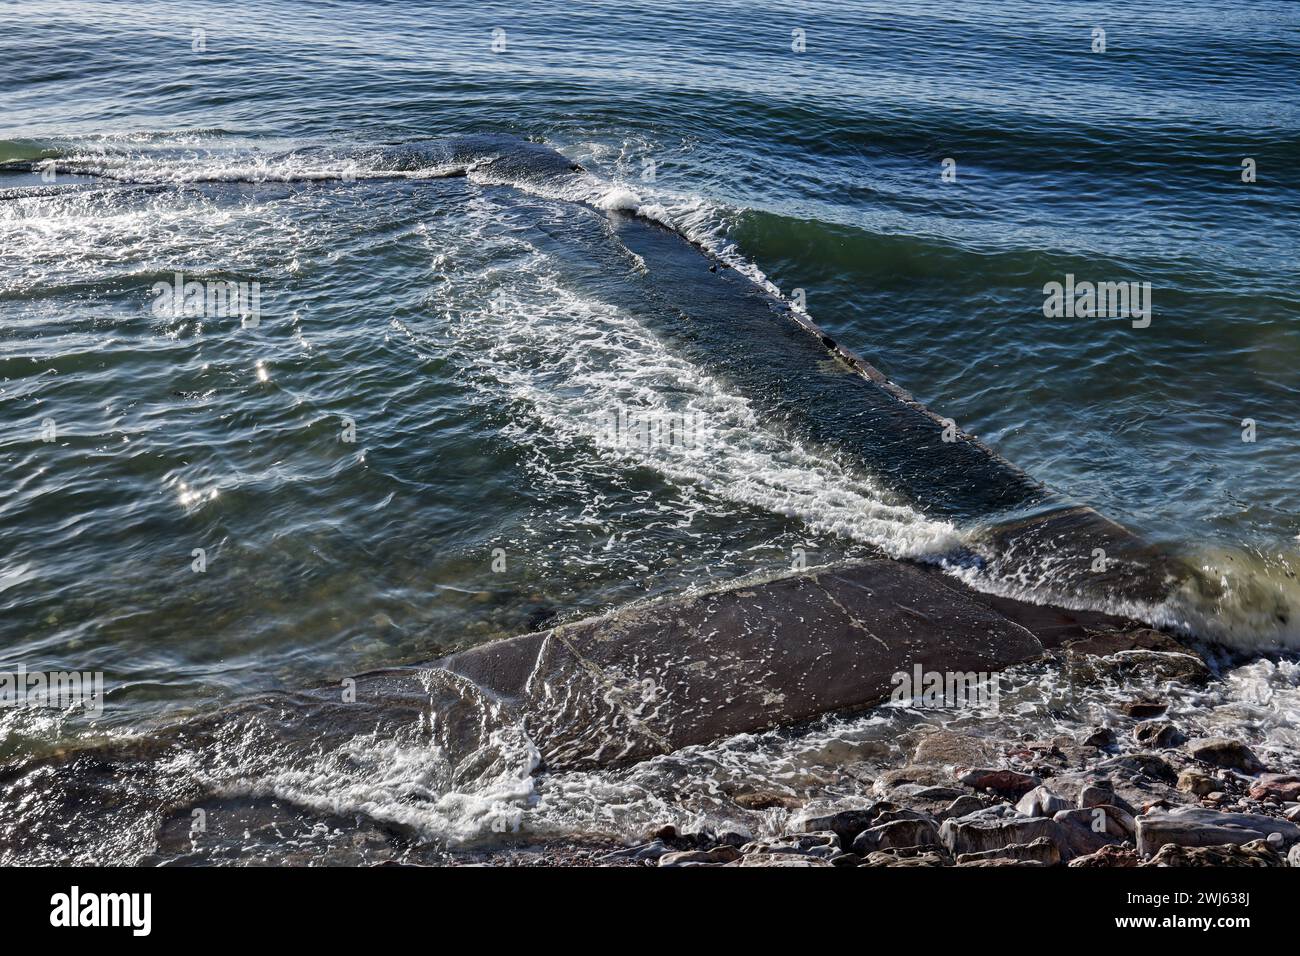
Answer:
(407, 449)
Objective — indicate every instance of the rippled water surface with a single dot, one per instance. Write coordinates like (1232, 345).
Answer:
(408, 452)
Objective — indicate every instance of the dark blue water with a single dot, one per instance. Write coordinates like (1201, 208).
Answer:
(475, 330)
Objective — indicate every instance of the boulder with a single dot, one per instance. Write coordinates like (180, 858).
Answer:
(1102, 737)
(713, 857)
(892, 814)
(898, 833)
(1005, 782)
(1113, 820)
(1176, 666)
(1283, 786)
(968, 835)
(1158, 735)
(881, 858)
(1197, 827)
(700, 857)
(1113, 854)
(1087, 830)
(1041, 850)
(642, 853)
(1144, 709)
(1041, 802)
(1225, 752)
(845, 824)
(1000, 861)
(1138, 764)
(948, 748)
(822, 844)
(1097, 794)
(1254, 853)
(961, 806)
(777, 859)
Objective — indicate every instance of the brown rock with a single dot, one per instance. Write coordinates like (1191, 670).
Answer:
(1144, 709)
(1097, 794)
(976, 836)
(1000, 861)
(846, 824)
(1041, 802)
(1113, 854)
(1158, 735)
(1197, 827)
(1101, 737)
(1225, 752)
(719, 854)
(1194, 781)
(777, 859)
(898, 833)
(962, 806)
(1005, 782)
(1254, 853)
(947, 748)
(1281, 785)
(881, 858)
(1041, 850)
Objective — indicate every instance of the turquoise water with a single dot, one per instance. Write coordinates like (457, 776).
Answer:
(473, 330)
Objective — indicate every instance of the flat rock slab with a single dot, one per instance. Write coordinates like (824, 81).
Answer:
(1196, 827)
(657, 678)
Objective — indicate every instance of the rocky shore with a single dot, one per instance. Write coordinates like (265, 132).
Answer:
(1133, 791)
